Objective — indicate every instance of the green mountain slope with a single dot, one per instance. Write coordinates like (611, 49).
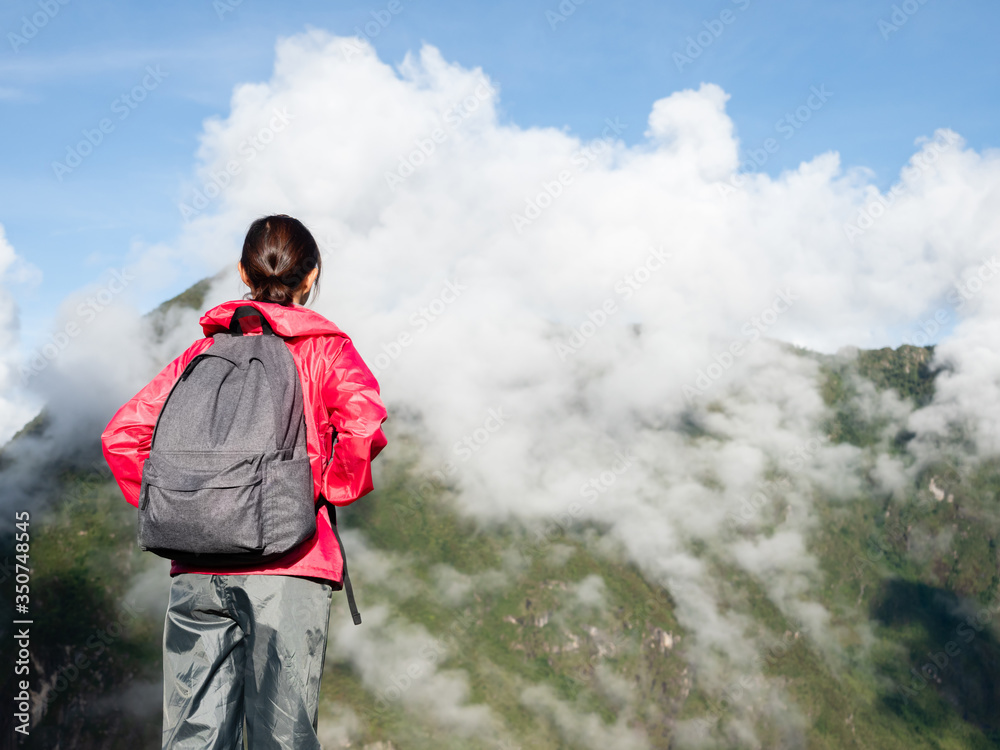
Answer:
(506, 638)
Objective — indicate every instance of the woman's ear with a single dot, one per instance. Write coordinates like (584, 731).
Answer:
(243, 273)
(305, 286)
(311, 278)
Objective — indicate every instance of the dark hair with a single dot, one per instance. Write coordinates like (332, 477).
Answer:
(278, 254)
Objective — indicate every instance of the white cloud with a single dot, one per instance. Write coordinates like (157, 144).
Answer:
(398, 663)
(16, 406)
(582, 729)
(410, 179)
(647, 268)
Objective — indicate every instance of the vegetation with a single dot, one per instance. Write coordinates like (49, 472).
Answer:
(510, 608)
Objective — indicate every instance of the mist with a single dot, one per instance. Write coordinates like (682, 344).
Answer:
(560, 313)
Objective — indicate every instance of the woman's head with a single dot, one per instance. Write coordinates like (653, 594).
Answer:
(280, 261)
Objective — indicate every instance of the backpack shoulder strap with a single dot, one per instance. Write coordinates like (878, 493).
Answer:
(348, 589)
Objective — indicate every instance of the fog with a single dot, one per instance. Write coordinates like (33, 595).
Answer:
(559, 313)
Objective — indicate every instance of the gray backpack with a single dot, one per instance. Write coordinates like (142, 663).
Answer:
(228, 480)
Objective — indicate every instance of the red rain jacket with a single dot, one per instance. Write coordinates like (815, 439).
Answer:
(339, 393)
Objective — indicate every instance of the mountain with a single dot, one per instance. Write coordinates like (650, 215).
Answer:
(511, 635)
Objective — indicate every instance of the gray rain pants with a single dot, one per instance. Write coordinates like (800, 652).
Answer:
(243, 646)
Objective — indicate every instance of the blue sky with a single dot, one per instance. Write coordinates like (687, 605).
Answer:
(603, 60)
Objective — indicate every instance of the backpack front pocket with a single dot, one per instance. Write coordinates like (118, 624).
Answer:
(289, 510)
(194, 507)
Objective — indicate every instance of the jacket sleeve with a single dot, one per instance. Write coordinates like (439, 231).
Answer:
(127, 438)
(355, 408)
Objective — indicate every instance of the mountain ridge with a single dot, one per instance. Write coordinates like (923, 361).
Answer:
(492, 636)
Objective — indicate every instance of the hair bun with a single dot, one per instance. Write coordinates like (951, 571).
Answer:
(279, 242)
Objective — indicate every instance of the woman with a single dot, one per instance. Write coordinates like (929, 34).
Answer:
(250, 643)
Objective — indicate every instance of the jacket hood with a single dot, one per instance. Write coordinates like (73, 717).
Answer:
(293, 320)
